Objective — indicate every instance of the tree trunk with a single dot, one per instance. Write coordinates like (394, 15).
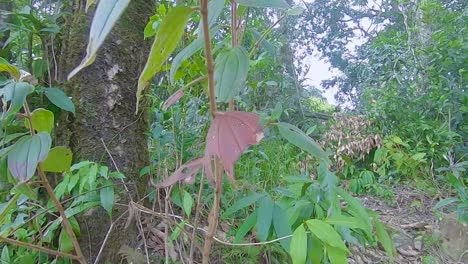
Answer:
(104, 97)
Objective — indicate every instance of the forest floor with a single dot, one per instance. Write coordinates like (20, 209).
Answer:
(419, 237)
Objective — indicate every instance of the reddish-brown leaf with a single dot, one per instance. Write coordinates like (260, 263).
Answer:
(173, 99)
(230, 134)
(185, 174)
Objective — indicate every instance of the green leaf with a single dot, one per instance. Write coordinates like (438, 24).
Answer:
(298, 249)
(355, 208)
(5, 255)
(242, 203)
(246, 226)
(231, 68)
(336, 255)
(384, 239)
(281, 225)
(106, 15)
(187, 202)
(25, 190)
(445, 202)
(16, 93)
(264, 217)
(107, 196)
(7, 67)
(316, 250)
(301, 140)
(42, 120)
(60, 99)
(26, 154)
(215, 8)
(170, 31)
(65, 243)
(295, 11)
(264, 3)
(58, 160)
(89, 3)
(326, 233)
(348, 221)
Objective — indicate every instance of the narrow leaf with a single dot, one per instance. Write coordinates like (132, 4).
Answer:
(264, 217)
(183, 55)
(348, 221)
(7, 67)
(246, 226)
(231, 68)
(6, 207)
(298, 249)
(187, 202)
(316, 250)
(384, 239)
(281, 225)
(326, 233)
(65, 243)
(173, 99)
(241, 203)
(336, 255)
(170, 31)
(106, 15)
(301, 140)
(60, 99)
(59, 159)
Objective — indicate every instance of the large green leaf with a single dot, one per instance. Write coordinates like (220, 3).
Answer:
(384, 239)
(326, 233)
(336, 255)
(170, 31)
(281, 225)
(231, 68)
(356, 209)
(65, 243)
(316, 250)
(246, 226)
(264, 3)
(348, 221)
(7, 67)
(26, 154)
(60, 99)
(106, 15)
(264, 217)
(42, 120)
(301, 140)
(16, 92)
(298, 249)
(58, 160)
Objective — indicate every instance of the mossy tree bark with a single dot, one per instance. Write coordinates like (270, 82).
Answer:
(104, 96)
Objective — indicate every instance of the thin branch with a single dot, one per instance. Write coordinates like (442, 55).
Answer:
(38, 248)
(263, 36)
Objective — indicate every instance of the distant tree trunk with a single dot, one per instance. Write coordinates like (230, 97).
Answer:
(104, 97)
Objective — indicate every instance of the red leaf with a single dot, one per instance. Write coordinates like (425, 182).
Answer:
(230, 134)
(173, 99)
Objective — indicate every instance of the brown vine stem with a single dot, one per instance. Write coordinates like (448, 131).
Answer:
(38, 248)
(218, 169)
(66, 224)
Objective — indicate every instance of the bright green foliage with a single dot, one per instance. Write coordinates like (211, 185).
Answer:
(42, 120)
(59, 159)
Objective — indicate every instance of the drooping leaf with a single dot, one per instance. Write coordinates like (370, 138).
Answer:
(264, 3)
(264, 217)
(59, 159)
(65, 243)
(348, 221)
(26, 154)
(281, 225)
(241, 203)
(384, 239)
(301, 140)
(173, 99)
(186, 173)
(445, 202)
(246, 226)
(183, 55)
(231, 68)
(10, 69)
(230, 134)
(42, 120)
(187, 202)
(326, 233)
(60, 99)
(298, 248)
(215, 8)
(106, 15)
(169, 33)
(107, 196)
(316, 250)
(355, 208)
(336, 255)
(16, 92)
